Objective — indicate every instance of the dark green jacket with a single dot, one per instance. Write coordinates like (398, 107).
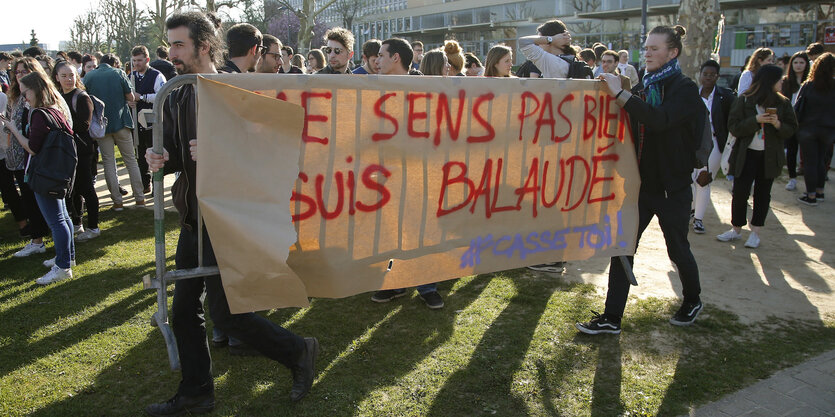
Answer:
(742, 123)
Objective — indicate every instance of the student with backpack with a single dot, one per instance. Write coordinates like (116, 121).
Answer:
(81, 110)
(51, 166)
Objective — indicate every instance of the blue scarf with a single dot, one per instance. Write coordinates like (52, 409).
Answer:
(652, 81)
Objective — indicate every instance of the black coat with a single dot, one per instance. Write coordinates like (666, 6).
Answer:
(673, 132)
(723, 99)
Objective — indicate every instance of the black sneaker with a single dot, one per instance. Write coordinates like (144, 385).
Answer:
(179, 405)
(305, 369)
(698, 226)
(819, 197)
(122, 190)
(598, 324)
(808, 201)
(26, 231)
(552, 267)
(433, 300)
(384, 296)
(687, 314)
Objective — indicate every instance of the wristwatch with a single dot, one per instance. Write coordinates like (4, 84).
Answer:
(549, 39)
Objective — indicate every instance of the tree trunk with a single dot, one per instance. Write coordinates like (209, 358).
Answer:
(700, 18)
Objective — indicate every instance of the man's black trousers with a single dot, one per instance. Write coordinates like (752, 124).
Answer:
(673, 211)
(189, 326)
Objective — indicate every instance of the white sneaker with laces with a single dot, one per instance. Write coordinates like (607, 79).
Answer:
(29, 249)
(753, 241)
(729, 236)
(54, 275)
(792, 185)
(78, 229)
(49, 263)
(88, 234)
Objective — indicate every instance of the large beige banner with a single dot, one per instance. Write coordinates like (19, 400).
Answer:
(406, 180)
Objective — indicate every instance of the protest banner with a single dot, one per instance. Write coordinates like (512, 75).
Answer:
(408, 180)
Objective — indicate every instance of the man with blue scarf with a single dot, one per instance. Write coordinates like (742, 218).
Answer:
(668, 119)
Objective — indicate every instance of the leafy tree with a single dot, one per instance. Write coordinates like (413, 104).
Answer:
(33, 40)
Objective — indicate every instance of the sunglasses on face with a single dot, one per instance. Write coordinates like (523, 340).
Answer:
(328, 50)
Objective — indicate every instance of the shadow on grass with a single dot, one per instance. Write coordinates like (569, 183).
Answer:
(63, 300)
(497, 357)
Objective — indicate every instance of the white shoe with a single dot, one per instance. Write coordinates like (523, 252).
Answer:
(753, 241)
(792, 185)
(54, 275)
(78, 229)
(88, 234)
(49, 263)
(29, 249)
(729, 236)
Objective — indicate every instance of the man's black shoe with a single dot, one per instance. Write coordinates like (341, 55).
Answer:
(433, 300)
(305, 369)
(179, 405)
(26, 231)
(600, 323)
(384, 296)
(687, 314)
(122, 190)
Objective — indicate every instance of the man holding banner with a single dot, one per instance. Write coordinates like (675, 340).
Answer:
(667, 122)
(195, 47)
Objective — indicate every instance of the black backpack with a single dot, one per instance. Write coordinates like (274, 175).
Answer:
(577, 69)
(52, 170)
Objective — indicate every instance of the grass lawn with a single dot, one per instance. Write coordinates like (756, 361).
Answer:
(503, 345)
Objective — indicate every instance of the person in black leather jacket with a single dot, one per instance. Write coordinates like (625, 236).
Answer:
(195, 49)
(668, 118)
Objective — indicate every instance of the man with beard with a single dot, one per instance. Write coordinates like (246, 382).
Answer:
(270, 60)
(195, 47)
(245, 46)
(339, 50)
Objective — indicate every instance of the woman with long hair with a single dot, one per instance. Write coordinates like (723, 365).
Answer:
(315, 61)
(499, 61)
(760, 57)
(48, 114)
(16, 157)
(81, 110)
(435, 62)
(88, 63)
(814, 105)
(761, 119)
(297, 60)
(798, 71)
(473, 65)
(455, 57)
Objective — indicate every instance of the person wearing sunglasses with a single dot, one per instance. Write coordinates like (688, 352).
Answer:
(246, 46)
(339, 51)
(270, 61)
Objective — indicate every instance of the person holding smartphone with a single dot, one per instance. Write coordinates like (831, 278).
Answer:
(761, 119)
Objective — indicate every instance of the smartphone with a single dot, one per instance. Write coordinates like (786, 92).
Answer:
(771, 110)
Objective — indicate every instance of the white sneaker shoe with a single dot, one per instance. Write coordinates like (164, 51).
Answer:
(78, 229)
(729, 236)
(49, 263)
(88, 234)
(792, 185)
(753, 241)
(29, 249)
(54, 275)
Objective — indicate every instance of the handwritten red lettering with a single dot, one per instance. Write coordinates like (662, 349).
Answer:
(491, 133)
(443, 110)
(306, 96)
(414, 116)
(378, 111)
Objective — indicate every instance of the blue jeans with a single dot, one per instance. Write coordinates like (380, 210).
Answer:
(55, 213)
(423, 289)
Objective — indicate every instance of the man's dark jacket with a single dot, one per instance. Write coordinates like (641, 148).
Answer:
(180, 124)
(723, 98)
(329, 70)
(166, 68)
(673, 132)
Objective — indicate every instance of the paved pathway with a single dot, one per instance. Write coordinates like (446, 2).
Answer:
(806, 390)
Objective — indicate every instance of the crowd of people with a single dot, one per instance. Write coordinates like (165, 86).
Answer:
(770, 117)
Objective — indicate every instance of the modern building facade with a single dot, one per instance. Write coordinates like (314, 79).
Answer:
(784, 25)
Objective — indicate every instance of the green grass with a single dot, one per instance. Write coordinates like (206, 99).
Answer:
(503, 345)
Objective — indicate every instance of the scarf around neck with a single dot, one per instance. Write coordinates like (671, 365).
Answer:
(652, 81)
